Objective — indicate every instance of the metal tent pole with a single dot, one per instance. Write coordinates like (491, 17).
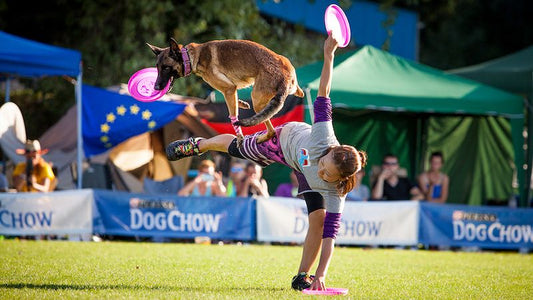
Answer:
(8, 88)
(79, 131)
(529, 158)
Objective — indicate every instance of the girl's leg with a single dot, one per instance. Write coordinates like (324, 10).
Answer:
(313, 240)
(196, 146)
(218, 143)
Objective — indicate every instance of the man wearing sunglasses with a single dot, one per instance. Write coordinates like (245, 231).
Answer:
(390, 186)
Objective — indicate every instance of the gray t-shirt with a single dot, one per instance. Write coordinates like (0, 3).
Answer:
(302, 146)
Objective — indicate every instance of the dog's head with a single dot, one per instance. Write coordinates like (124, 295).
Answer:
(169, 63)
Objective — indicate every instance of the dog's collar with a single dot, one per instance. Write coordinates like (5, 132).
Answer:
(186, 61)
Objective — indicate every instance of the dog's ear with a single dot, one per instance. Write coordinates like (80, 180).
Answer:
(175, 47)
(155, 49)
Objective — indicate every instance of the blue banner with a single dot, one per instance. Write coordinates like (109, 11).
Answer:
(110, 118)
(127, 214)
(480, 226)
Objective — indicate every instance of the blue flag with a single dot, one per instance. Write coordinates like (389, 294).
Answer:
(110, 118)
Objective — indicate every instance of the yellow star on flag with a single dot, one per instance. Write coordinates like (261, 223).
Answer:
(108, 145)
(151, 124)
(146, 115)
(121, 110)
(110, 117)
(104, 128)
(134, 109)
(104, 139)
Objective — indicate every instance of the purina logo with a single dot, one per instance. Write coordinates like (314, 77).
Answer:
(303, 158)
(481, 227)
(459, 215)
(152, 204)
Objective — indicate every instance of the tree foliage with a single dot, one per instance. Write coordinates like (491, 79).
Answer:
(111, 36)
(457, 33)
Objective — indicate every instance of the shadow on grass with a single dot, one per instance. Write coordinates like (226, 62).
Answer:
(129, 287)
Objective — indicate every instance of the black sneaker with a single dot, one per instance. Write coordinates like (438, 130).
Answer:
(183, 148)
(302, 281)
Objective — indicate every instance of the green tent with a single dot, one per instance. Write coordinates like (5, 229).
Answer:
(512, 73)
(383, 103)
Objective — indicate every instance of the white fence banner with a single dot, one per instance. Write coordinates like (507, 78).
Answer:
(281, 220)
(379, 223)
(56, 213)
(363, 223)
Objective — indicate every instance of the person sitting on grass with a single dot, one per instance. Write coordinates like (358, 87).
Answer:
(324, 168)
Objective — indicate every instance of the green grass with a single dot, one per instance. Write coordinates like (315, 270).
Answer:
(37, 270)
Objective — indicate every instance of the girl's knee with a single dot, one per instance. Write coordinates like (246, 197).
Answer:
(316, 218)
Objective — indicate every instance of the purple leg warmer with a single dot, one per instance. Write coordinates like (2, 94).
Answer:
(332, 223)
(322, 108)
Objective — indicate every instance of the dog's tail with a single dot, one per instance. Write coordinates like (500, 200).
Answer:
(272, 107)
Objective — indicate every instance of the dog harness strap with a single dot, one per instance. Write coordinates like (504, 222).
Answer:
(237, 128)
(186, 61)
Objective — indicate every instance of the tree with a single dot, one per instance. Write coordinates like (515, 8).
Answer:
(112, 38)
(457, 33)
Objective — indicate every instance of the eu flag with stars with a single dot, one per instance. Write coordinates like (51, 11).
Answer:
(110, 118)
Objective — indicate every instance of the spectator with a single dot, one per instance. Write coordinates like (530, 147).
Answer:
(236, 176)
(4, 185)
(389, 186)
(206, 183)
(434, 183)
(253, 184)
(288, 189)
(34, 175)
(360, 192)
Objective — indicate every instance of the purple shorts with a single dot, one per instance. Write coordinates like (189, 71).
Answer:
(265, 153)
(269, 152)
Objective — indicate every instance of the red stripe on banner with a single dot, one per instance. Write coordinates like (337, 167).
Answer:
(294, 115)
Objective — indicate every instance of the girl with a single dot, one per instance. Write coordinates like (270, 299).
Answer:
(434, 183)
(324, 168)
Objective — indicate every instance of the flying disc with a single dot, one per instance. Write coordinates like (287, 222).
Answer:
(141, 85)
(327, 291)
(337, 23)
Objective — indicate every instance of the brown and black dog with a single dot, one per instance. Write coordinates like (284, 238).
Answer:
(229, 65)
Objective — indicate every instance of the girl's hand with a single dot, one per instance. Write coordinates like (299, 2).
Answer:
(330, 45)
(319, 283)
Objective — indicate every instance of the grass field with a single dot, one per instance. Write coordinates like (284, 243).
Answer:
(50, 269)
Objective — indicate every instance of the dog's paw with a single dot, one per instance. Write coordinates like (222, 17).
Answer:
(264, 137)
(240, 139)
(243, 104)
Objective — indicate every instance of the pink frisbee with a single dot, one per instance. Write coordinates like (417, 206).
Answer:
(141, 85)
(337, 23)
(327, 291)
